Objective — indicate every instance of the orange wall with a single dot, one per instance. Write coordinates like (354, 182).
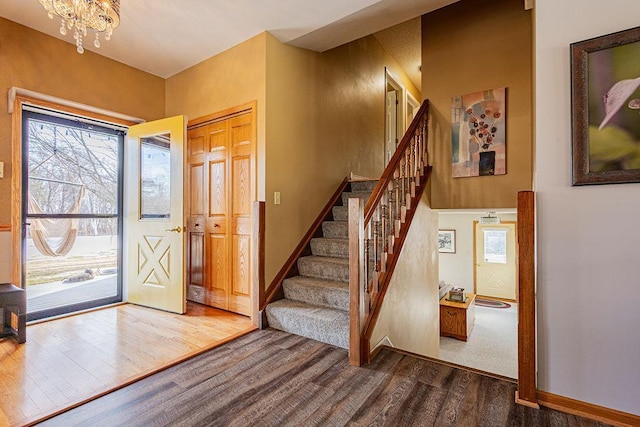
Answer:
(35, 61)
(231, 78)
(325, 119)
(470, 46)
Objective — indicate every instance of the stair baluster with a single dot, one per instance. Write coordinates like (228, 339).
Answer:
(384, 223)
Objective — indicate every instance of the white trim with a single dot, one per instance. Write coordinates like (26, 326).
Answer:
(15, 91)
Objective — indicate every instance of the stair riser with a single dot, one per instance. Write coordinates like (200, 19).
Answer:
(346, 196)
(340, 213)
(304, 322)
(363, 186)
(323, 270)
(335, 229)
(324, 297)
(332, 248)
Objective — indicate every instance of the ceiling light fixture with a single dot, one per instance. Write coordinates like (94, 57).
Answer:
(101, 16)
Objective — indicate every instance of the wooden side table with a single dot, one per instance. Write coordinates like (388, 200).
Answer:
(457, 318)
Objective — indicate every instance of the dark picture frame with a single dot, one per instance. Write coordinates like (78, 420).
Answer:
(605, 102)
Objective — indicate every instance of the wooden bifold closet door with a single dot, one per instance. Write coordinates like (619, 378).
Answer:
(221, 183)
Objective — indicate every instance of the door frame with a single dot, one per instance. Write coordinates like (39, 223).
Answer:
(401, 126)
(475, 260)
(22, 97)
(257, 224)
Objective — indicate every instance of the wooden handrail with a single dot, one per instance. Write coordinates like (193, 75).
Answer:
(387, 175)
(290, 267)
(377, 232)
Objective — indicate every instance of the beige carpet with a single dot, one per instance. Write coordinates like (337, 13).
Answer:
(492, 345)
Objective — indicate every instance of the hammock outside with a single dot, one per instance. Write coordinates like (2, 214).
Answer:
(42, 228)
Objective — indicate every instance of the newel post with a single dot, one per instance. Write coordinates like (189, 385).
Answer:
(356, 272)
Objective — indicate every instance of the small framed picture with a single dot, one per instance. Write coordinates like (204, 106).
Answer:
(447, 241)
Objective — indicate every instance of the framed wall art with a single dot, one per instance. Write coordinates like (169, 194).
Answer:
(478, 142)
(605, 107)
(447, 241)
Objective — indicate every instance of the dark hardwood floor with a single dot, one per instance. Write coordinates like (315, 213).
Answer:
(271, 378)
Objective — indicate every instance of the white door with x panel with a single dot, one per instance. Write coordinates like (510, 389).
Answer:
(154, 238)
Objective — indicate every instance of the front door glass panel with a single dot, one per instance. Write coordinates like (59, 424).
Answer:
(155, 177)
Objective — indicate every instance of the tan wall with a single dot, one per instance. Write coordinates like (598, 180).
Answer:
(231, 78)
(325, 119)
(352, 109)
(32, 60)
(464, 51)
(410, 314)
(293, 151)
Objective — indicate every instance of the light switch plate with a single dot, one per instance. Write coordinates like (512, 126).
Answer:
(1, 169)
(276, 198)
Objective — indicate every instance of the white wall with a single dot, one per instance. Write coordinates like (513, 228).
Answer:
(409, 316)
(588, 237)
(457, 269)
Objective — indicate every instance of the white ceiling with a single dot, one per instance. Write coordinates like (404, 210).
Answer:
(164, 37)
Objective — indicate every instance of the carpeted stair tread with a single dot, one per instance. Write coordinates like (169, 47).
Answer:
(319, 323)
(364, 195)
(335, 229)
(323, 246)
(364, 185)
(330, 268)
(321, 292)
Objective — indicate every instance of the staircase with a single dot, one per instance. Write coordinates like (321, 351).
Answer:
(316, 302)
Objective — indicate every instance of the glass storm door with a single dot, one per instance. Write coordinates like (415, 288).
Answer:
(154, 214)
(72, 213)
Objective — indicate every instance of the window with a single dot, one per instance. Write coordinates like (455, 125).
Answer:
(495, 246)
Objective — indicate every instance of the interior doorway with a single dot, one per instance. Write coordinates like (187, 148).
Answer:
(492, 334)
(71, 212)
(394, 115)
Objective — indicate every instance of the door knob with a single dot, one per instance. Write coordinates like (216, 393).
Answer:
(177, 229)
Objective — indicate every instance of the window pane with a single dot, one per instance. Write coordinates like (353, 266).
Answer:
(495, 246)
(72, 170)
(155, 174)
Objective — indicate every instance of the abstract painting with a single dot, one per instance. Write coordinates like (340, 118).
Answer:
(478, 142)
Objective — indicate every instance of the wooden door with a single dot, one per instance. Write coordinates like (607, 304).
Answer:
(221, 189)
(155, 214)
(241, 194)
(495, 254)
(195, 213)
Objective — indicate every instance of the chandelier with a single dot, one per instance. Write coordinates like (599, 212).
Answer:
(101, 16)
